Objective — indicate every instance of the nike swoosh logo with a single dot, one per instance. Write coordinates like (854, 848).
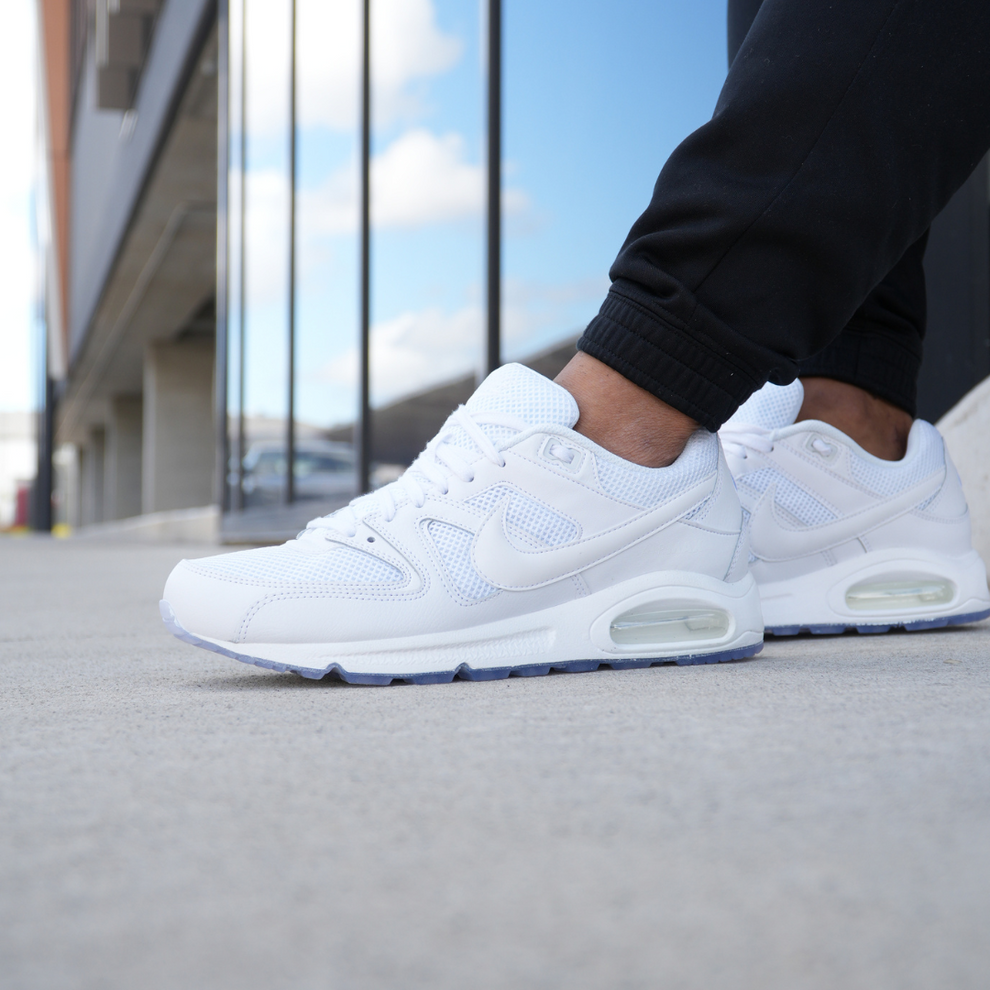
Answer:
(505, 566)
(770, 540)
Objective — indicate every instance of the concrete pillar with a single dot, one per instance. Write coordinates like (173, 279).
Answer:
(122, 459)
(91, 495)
(67, 460)
(178, 450)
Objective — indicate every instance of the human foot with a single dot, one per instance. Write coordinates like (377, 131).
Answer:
(622, 417)
(842, 539)
(512, 545)
(878, 426)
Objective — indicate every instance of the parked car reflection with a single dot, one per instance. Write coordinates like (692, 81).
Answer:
(323, 470)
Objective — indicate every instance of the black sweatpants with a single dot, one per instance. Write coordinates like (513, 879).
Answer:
(785, 236)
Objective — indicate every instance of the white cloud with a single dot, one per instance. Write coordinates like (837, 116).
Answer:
(535, 313)
(330, 208)
(413, 351)
(419, 179)
(407, 46)
(418, 349)
(267, 230)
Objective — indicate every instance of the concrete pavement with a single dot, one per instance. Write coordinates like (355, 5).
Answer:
(814, 818)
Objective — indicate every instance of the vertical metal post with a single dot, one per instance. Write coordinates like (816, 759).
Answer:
(363, 432)
(494, 273)
(40, 506)
(290, 432)
(242, 267)
(41, 510)
(221, 493)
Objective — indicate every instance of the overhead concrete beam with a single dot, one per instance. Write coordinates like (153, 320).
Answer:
(165, 270)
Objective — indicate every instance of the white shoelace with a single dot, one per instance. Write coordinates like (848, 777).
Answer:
(740, 438)
(431, 470)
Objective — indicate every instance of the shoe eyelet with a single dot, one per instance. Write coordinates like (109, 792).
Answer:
(371, 539)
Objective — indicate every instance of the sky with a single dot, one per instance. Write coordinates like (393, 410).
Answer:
(596, 97)
(18, 277)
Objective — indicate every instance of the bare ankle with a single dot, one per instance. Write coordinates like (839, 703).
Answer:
(878, 426)
(622, 417)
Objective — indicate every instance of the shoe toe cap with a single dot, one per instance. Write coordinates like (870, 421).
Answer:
(206, 605)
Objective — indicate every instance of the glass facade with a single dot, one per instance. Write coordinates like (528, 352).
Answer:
(593, 98)
(260, 209)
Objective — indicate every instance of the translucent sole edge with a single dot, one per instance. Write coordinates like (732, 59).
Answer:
(873, 628)
(462, 671)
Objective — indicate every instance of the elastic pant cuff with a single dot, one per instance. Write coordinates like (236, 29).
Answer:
(876, 362)
(699, 367)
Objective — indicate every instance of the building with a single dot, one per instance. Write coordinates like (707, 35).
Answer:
(238, 187)
(18, 458)
(132, 119)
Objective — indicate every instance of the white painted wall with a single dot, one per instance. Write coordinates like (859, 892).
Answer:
(966, 429)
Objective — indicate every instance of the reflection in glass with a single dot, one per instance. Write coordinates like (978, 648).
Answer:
(323, 471)
(427, 205)
(236, 146)
(328, 51)
(266, 226)
(596, 96)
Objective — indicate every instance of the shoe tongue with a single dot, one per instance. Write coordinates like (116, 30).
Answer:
(772, 407)
(516, 390)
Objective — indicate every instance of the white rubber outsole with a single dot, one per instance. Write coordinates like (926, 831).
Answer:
(573, 637)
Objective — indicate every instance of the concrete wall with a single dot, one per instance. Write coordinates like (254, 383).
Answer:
(122, 460)
(178, 453)
(966, 429)
(155, 451)
(93, 476)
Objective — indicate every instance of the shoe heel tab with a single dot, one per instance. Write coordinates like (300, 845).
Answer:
(723, 510)
(952, 486)
(923, 436)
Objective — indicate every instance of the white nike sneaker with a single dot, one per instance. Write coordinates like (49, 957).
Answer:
(511, 545)
(840, 539)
